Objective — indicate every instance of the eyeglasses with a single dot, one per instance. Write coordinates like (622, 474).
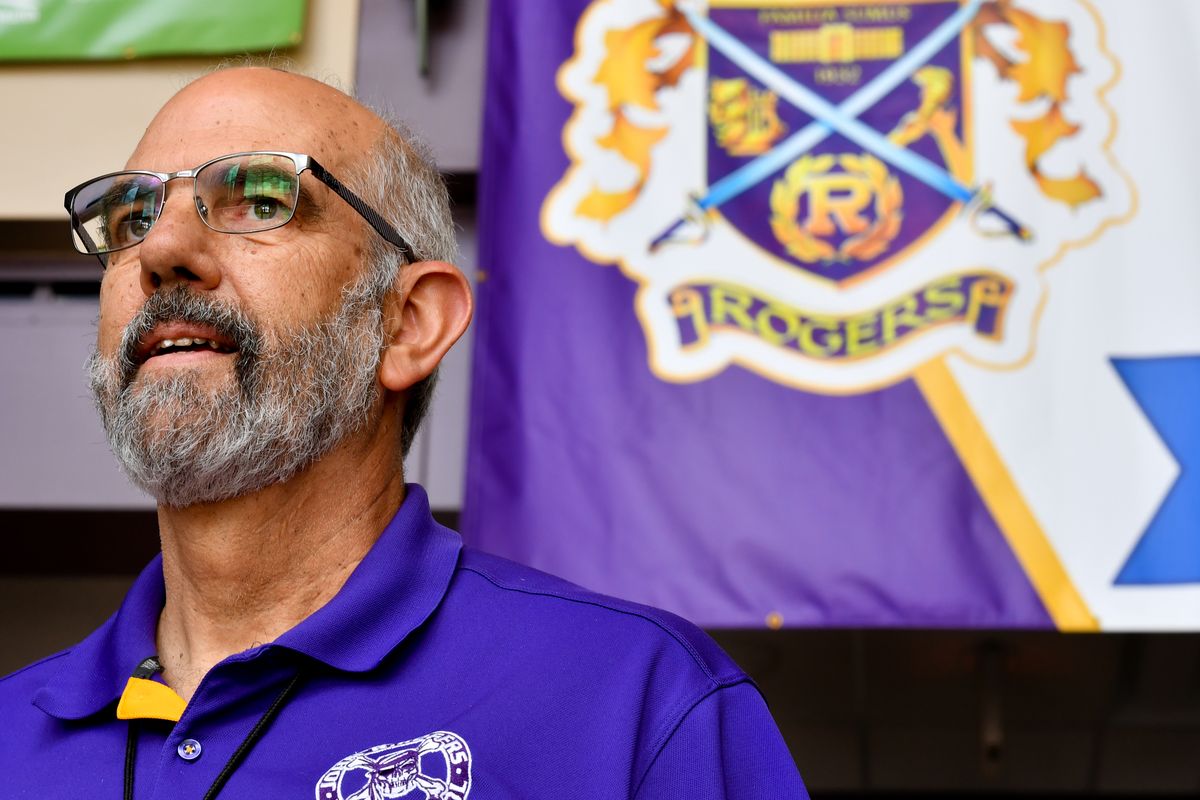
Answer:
(238, 193)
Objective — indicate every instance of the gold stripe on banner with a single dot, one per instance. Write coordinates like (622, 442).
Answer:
(1012, 514)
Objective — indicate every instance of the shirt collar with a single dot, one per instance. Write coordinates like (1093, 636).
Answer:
(392, 591)
(396, 587)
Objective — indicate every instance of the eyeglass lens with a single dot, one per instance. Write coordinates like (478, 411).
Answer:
(117, 211)
(247, 193)
(239, 194)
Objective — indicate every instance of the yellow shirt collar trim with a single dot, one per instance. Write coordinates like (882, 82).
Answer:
(146, 699)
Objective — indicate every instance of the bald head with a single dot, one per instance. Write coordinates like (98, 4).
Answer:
(246, 108)
(257, 108)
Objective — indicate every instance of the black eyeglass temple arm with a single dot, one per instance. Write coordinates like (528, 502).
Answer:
(87, 240)
(381, 226)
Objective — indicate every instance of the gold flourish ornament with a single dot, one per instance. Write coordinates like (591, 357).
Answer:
(630, 82)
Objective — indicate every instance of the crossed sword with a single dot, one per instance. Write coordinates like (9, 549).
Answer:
(844, 119)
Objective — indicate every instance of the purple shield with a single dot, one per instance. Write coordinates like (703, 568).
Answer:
(837, 212)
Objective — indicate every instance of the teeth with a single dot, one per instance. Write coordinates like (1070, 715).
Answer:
(186, 341)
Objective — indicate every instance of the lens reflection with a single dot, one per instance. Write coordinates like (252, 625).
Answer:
(247, 193)
(117, 211)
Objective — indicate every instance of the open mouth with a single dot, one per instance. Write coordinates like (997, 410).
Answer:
(183, 342)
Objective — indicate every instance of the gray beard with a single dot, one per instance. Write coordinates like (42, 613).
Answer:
(288, 404)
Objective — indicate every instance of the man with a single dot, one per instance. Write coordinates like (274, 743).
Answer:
(277, 295)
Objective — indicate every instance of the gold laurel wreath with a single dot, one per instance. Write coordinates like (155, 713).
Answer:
(802, 245)
(785, 210)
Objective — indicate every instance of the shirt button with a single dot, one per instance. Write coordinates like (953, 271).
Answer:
(189, 750)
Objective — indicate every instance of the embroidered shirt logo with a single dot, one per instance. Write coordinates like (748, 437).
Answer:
(436, 766)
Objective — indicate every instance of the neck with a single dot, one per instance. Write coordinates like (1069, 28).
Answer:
(242, 572)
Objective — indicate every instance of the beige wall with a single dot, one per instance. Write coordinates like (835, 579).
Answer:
(63, 123)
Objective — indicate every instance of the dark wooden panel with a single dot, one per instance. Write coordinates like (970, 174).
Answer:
(76, 542)
(88, 542)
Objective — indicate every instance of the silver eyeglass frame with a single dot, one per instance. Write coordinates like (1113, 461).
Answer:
(302, 163)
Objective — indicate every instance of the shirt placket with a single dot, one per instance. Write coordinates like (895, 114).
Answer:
(188, 757)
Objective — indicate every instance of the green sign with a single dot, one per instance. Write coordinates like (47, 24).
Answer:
(87, 30)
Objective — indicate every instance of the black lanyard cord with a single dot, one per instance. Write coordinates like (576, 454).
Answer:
(253, 736)
(130, 757)
(235, 760)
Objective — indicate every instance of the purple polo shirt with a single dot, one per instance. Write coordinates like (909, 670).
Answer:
(434, 672)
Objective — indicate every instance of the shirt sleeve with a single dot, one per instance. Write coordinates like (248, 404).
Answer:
(726, 748)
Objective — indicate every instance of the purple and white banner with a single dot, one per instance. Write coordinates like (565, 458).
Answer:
(843, 313)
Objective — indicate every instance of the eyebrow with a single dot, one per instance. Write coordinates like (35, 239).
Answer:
(116, 190)
(102, 203)
(307, 201)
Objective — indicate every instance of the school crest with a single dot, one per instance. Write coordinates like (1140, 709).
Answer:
(831, 193)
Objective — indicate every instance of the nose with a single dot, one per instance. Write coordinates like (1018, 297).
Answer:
(179, 247)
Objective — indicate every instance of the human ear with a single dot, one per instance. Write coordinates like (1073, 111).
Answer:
(423, 318)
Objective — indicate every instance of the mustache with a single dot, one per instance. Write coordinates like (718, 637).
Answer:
(182, 304)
